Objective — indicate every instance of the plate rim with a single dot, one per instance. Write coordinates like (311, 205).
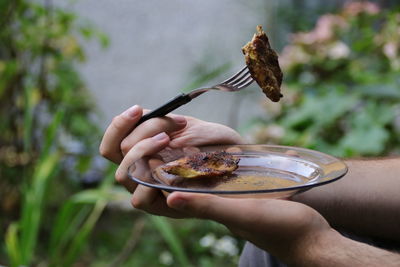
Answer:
(301, 187)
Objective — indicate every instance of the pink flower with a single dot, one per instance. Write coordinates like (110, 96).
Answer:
(323, 31)
(390, 50)
(292, 55)
(355, 8)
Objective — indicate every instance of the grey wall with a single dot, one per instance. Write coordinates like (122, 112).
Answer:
(154, 46)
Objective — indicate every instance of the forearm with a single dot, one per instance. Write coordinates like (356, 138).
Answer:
(329, 248)
(365, 201)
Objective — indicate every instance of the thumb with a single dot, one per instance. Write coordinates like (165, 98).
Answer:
(228, 211)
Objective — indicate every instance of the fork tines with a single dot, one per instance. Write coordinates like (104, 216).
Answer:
(241, 79)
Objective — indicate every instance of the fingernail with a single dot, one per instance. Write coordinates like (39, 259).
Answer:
(160, 136)
(132, 112)
(179, 119)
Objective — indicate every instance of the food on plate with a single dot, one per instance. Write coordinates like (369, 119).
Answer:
(263, 65)
(202, 164)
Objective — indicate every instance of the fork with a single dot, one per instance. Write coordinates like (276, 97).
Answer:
(237, 82)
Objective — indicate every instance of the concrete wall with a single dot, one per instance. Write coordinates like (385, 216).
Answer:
(155, 45)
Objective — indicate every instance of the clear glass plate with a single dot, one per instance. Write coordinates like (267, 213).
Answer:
(264, 171)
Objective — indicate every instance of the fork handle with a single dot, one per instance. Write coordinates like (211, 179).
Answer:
(171, 105)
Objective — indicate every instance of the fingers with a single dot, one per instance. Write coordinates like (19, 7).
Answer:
(200, 132)
(250, 215)
(152, 201)
(224, 210)
(143, 148)
(119, 128)
(237, 213)
(152, 127)
(119, 137)
(277, 226)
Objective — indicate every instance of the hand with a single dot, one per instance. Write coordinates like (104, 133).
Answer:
(125, 144)
(293, 232)
(284, 228)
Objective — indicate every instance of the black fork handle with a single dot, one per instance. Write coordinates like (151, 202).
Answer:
(171, 105)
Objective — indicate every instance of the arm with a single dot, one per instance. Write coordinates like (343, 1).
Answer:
(366, 201)
(333, 249)
(291, 231)
(294, 232)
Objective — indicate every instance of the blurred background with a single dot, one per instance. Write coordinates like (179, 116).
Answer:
(68, 67)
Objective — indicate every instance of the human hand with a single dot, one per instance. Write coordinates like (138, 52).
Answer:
(125, 144)
(284, 228)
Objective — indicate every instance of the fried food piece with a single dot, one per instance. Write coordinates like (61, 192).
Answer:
(263, 64)
(203, 164)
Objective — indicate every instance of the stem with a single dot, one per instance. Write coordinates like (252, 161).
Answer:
(8, 14)
(130, 244)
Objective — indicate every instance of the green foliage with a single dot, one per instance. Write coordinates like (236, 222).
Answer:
(341, 96)
(165, 229)
(341, 85)
(48, 142)
(45, 108)
(150, 247)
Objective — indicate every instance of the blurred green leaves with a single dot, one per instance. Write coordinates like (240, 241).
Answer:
(49, 143)
(367, 134)
(171, 238)
(341, 85)
(46, 111)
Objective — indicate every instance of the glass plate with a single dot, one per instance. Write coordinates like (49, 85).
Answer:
(264, 171)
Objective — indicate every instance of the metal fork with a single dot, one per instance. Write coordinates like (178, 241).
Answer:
(237, 82)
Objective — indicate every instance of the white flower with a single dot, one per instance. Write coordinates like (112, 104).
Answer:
(208, 240)
(166, 258)
(338, 50)
(226, 245)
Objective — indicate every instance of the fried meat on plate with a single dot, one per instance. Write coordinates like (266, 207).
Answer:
(263, 64)
(203, 164)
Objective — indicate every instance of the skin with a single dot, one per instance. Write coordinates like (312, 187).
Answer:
(125, 145)
(369, 192)
(298, 232)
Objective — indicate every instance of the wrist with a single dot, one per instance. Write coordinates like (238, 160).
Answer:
(316, 248)
(329, 248)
